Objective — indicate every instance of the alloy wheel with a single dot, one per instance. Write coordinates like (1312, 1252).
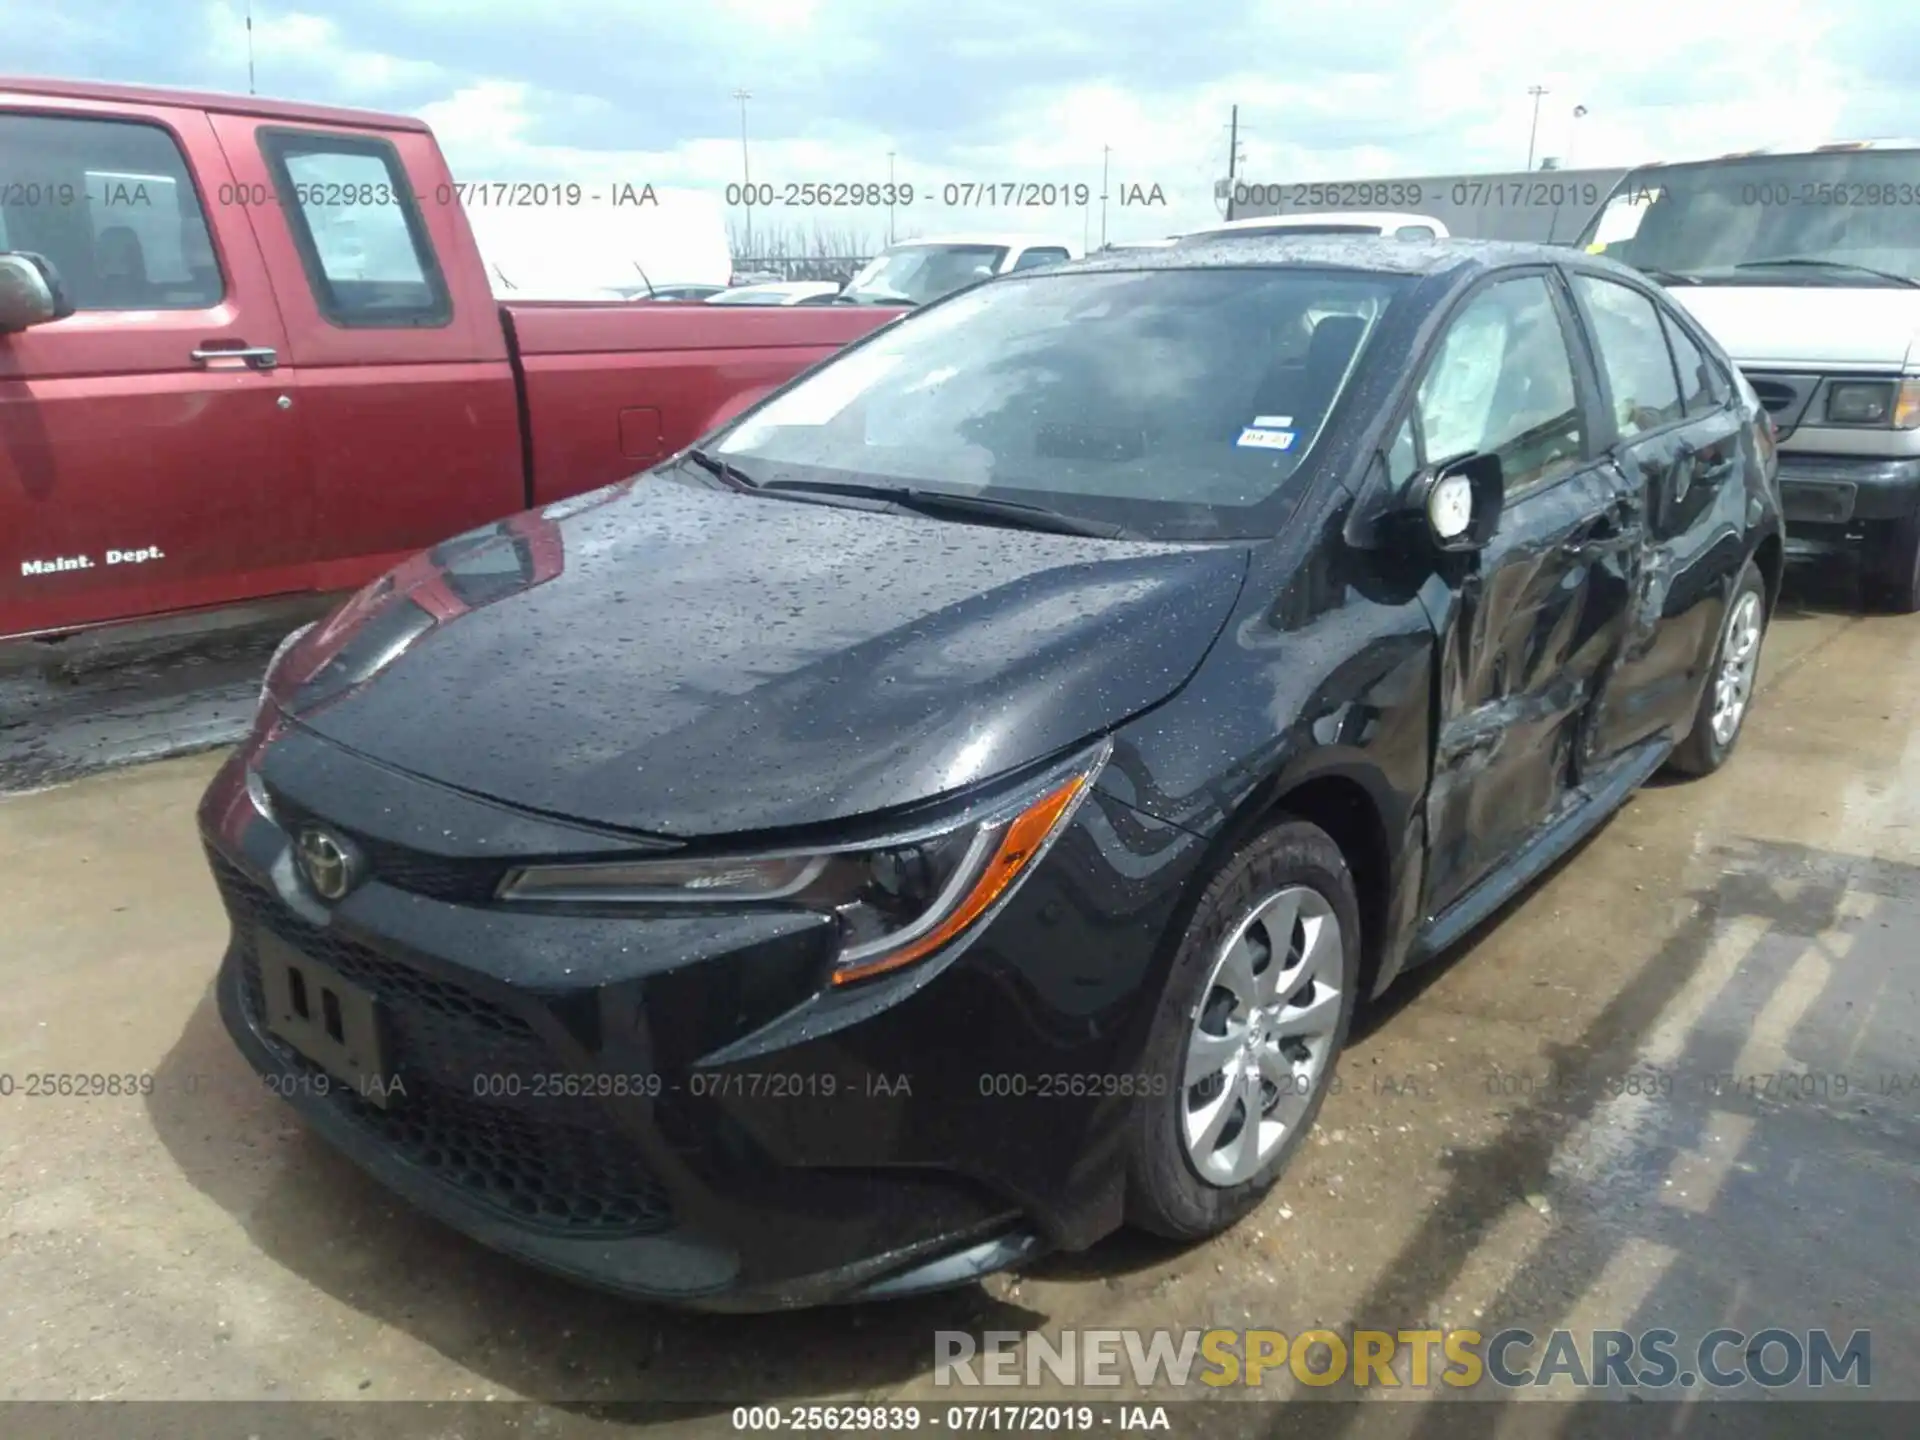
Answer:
(1262, 1038)
(1739, 660)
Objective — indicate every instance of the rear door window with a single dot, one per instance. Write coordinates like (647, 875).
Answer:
(113, 205)
(357, 224)
(1633, 355)
(1702, 388)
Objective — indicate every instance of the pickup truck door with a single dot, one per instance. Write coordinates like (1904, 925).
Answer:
(406, 395)
(150, 457)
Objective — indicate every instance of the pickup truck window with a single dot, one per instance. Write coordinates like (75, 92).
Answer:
(356, 221)
(112, 204)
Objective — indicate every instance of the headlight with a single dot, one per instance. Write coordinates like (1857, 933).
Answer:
(1860, 402)
(897, 901)
(1906, 410)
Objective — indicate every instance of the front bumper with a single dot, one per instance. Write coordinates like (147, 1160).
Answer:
(674, 1110)
(1837, 502)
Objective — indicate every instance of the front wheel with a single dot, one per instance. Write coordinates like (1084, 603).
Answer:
(1897, 577)
(1728, 694)
(1255, 1010)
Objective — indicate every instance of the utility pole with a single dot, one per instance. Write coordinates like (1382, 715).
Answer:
(1233, 157)
(1536, 91)
(891, 192)
(1106, 154)
(746, 169)
(250, 47)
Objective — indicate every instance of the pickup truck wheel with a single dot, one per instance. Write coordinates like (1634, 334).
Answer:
(1728, 694)
(1255, 1010)
(1897, 582)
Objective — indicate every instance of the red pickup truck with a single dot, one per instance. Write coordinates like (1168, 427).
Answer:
(248, 349)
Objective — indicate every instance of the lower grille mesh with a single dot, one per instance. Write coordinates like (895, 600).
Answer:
(564, 1168)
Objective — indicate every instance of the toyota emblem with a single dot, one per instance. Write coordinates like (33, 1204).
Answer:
(328, 863)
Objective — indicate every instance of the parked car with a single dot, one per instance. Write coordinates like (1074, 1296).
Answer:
(909, 831)
(248, 350)
(783, 292)
(1806, 266)
(1359, 222)
(672, 292)
(593, 241)
(917, 272)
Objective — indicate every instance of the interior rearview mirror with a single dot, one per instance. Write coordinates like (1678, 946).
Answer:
(1459, 501)
(30, 291)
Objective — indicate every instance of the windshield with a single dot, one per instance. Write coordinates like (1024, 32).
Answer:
(923, 273)
(1173, 403)
(1702, 221)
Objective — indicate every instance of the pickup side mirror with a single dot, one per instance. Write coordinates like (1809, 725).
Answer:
(1458, 502)
(31, 292)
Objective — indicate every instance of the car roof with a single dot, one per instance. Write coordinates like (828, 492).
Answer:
(985, 237)
(216, 101)
(1382, 254)
(1386, 219)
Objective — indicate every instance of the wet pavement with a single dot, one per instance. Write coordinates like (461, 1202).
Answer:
(1677, 1085)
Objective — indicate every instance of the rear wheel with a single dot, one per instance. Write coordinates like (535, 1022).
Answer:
(1255, 1010)
(1896, 580)
(1728, 694)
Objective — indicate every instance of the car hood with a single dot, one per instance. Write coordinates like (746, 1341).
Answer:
(1787, 327)
(682, 661)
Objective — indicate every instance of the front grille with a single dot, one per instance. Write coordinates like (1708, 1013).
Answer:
(1786, 397)
(552, 1165)
(460, 879)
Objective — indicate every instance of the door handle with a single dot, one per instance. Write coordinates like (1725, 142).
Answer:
(253, 357)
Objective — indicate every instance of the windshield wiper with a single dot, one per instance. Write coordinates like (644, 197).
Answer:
(946, 502)
(1669, 277)
(1887, 275)
(720, 469)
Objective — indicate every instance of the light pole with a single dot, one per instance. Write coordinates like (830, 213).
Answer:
(1536, 91)
(1573, 129)
(1106, 154)
(746, 169)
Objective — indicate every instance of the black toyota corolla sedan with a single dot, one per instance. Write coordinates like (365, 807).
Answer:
(953, 810)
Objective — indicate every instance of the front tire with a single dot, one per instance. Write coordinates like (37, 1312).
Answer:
(1255, 1011)
(1727, 697)
(1897, 577)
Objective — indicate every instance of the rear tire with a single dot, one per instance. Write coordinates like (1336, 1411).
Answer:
(1727, 697)
(1896, 580)
(1257, 1006)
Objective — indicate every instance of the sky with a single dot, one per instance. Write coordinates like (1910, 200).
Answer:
(998, 91)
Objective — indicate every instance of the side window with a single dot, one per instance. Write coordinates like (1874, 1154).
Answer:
(1403, 458)
(1633, 353)
(1695, 370)
(362, 243)
(1501, 382)
(112, 204)
(1033, 258)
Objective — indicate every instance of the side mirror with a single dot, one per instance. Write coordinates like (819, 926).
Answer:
(30, 291)
(1459, 501)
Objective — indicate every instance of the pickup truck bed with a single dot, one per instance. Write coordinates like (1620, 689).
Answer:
(286, 369)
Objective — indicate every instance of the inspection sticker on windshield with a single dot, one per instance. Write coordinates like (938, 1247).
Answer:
(1266, 439)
